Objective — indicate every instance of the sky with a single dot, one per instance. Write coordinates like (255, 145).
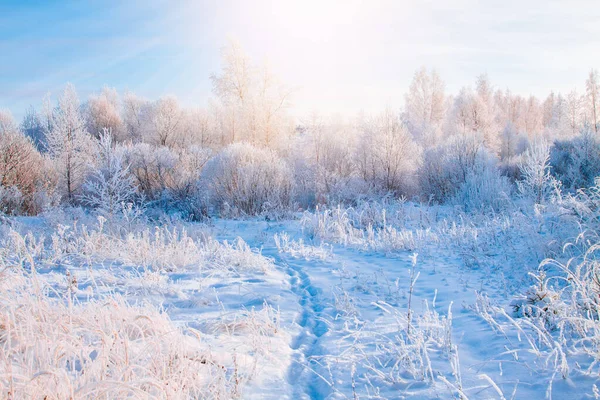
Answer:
(339, 56)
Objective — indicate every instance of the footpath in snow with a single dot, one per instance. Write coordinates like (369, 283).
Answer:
(353, 336)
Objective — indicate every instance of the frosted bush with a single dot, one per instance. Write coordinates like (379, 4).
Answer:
(58, 348)
(447, 167)
(250, 179)
(484, 188)
(110, 186)
(576, 162)
(298, 249)
(536, 181)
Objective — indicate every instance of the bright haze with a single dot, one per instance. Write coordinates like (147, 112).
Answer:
(340, 56)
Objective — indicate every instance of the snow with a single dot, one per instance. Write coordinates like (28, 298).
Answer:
(295, 309)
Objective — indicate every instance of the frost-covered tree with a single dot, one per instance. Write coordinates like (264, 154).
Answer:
(425, 105)
(574, 106)
(33, 127)
(21, 168)
(536, 180)
(484, 117)
(592, 90)
(153, 167)
(324, 159)
(387, 155)
(197, 129)
(165, 122)
(134, 113)
(104, 113)
(252, 102)
(7, 122)
(69, 145)
(109, 187)
(532, 118)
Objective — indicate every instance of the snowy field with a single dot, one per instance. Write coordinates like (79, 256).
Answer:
(299, 200)
(385, 301)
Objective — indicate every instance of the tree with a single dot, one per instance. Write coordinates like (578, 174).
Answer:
(134, 114)
(232, 87)
(574, 105)
(7, 122)
(165, 122)
(110, 186)
(33, 128)
(155, 168)
(593, 98)
(21, 168)
(69, 145)
(323, 153)
(537, 182)
(388, 157)
(532, 117)
(103, 113)
(252, 102)
(425, 105)
(197, 129)
(463, 112)
(485, 114)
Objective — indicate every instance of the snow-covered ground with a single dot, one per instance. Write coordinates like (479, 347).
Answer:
(406, 305)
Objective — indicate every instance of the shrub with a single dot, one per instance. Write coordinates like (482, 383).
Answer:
(21, 176)
(576, 162)
(537, 182)
(447, 167)
(249, 179)
(484, 187)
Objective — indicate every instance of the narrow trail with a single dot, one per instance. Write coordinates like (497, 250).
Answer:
(303, 374)
(322, 328)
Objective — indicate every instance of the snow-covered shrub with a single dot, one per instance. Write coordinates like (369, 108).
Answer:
(153, 168)
(585, 206)
(540, 301)
(484, 188)
(21, 174)
(59, 348)
(536, 180)
(387, 157)
(513, 143)
(110, 187)
(446, 168)
(249, 179)
(11, 200)
(576, 162)
(298, 249)
(185, 193)
(324, 164)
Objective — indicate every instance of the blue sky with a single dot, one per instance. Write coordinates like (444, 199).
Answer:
(341, 56)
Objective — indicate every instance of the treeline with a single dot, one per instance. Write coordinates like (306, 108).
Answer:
(243, 154)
